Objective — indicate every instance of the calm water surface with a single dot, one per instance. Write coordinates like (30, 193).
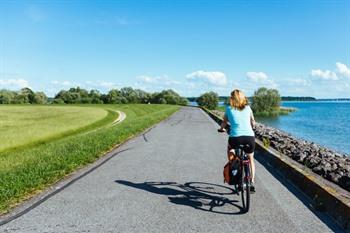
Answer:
(325, 123)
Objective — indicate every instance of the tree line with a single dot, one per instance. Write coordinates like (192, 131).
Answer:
(24, 96)
(77, 95)
(298, 98)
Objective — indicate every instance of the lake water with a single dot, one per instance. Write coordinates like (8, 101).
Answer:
(325, 123)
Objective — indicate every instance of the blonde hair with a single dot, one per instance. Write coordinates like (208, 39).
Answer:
(238, 100)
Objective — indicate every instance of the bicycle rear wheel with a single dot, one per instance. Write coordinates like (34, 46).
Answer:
(245, 190)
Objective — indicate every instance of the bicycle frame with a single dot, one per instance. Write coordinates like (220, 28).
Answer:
(244, 163)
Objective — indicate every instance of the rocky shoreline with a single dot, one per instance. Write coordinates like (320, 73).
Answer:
(329, 164)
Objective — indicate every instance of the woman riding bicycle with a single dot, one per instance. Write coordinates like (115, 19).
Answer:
(241, 119)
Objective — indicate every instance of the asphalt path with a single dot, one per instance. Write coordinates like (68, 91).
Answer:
(169, 179)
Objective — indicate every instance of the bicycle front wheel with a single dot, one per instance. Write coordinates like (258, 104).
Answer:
(245, 190)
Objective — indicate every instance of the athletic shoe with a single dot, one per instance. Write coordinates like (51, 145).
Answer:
(252, 188)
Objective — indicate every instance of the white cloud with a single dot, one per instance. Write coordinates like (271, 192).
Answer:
(325, 75)
(147, 79)
(13, 83)
(260, 79)
(159, 80)
(342, 69)
(216, 78)
(257, 76)
(339, 72)
(157, 83)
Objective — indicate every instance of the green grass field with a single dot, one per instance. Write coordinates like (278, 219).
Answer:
(23, 125)
(30, 168)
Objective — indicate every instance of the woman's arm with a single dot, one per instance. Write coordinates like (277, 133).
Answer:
(223, 124)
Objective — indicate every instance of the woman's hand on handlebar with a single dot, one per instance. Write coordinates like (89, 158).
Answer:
(221, 130)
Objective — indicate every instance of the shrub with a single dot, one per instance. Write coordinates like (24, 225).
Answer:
(266, 101)
(208, 100)
(7, 97)
(266, 142)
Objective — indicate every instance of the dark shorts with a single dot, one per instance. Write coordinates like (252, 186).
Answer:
(247, 141)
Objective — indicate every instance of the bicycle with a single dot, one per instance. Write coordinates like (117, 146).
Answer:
(244, 179)
(244, 182)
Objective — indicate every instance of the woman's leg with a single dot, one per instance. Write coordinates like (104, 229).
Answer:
(252, 165)
(230, 153)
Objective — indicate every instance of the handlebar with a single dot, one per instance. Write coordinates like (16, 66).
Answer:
(221, 130)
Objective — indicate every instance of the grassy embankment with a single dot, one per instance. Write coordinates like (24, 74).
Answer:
(59, 140)
(276, 112)
(24, 126)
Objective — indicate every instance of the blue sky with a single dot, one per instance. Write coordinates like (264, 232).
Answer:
(300, 47)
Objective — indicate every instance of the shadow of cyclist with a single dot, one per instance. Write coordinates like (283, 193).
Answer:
(199, 195)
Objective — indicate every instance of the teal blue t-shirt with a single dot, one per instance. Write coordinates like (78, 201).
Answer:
(239, 121)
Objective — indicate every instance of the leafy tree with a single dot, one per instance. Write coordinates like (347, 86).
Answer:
(25, 96)
(74, 96)
(21, 99)
(183, 101)
(39, 98)
(170, 96)
(208, 100)
(266, 100)
(61, 96)
(95, 97)
(104, 98)
(142, 96)
(155, 97)
(131, 95)
(162, 101)
(81, 92)
(114, 96)
(7, 97)
(167, 97)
